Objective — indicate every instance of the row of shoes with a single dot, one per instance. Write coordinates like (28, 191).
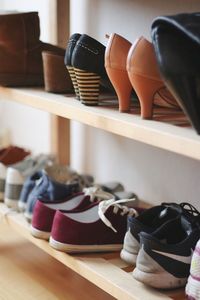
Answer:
(160, 73)
(76, 215)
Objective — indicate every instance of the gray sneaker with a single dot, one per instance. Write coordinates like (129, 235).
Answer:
(17, 174)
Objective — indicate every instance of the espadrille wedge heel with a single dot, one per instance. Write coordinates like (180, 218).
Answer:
(87, 60)
(88, 86)
(68, 56)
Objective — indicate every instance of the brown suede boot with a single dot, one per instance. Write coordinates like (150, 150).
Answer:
(21, 50)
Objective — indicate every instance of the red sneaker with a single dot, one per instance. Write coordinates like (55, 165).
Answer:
(101, 227)
(44, 211)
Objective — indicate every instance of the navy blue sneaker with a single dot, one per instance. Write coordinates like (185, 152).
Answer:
(165, 255)
(28, 186)
(50, 190)
(148, 221)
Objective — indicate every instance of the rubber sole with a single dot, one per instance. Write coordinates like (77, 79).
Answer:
(21, 206)
(159, 280)
(28, 216)
(83, 248)
(128, 257)
(40, 234)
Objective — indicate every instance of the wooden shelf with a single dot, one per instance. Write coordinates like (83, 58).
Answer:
(107, 271)
(28, 273)
(180, 140)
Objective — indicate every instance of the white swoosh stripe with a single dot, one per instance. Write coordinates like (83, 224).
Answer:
(184, 259)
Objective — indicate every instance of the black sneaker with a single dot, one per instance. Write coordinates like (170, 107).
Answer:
(148, 221)
(165, 255)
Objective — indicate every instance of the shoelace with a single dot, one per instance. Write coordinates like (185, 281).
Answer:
(117, 205)
(95, 192)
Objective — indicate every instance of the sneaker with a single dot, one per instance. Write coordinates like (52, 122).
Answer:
(165, 255)
(61, 173)
(28, 186)
(8, 156)
(17, 174)
(44, 212)
(192, 289)
(148, 221)
(100, 227)
(51, 187)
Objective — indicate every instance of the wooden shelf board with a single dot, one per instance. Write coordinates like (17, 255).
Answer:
(180, 140)
(28, 273)
(107, 271)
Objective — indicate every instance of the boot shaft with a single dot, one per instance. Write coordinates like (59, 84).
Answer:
(19, 31)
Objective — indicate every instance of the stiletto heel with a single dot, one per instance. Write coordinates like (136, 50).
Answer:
(89, 86)
(74, 81)
(115, 64)
(145, 78)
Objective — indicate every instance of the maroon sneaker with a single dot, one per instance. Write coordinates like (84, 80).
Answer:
(44, 211)
(101, 227)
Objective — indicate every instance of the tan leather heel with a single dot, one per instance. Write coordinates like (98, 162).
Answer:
(115, 64)
(145, 89)
(145, 78)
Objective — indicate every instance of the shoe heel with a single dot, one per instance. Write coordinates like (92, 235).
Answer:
(74, 81)
(145, 89)
(122, 86)
(89, 86)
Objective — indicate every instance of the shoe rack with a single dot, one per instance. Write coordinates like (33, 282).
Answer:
(106, 271)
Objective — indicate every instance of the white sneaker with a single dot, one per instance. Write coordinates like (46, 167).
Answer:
(17, 174)
(192, 289)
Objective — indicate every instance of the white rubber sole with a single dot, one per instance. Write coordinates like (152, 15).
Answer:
(21, 206)
(128, 257)
(11, 203)
(28, 216)
(159, 280)
(83, 248)
(193, 288)
(40, 234)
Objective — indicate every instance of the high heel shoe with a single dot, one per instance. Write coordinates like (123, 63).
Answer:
(145, 78)
(88, 63)
(115, 64)
(176, 40)
(68, 57)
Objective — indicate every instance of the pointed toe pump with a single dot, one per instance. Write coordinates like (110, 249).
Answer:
(68, 57)
(88, 63)
(176, 40)
(115, 63)
(145, 78)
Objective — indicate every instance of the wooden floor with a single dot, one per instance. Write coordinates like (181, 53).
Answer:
(28, 273)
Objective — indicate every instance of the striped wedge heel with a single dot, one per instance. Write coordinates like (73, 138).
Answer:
(89, 86)
(74, 81)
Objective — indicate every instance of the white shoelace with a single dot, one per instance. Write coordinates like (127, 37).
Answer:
(95, 192)
(104, 205)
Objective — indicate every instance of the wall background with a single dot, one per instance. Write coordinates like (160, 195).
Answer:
(155, 175)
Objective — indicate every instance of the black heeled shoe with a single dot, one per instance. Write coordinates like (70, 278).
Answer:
(88, 63)
(68, 61)
(176, 40)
